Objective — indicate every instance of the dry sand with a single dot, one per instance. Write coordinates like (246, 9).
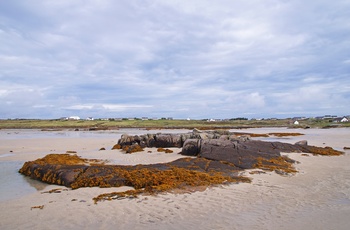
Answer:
(318, 197)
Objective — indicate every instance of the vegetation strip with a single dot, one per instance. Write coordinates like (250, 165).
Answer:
(99, 124)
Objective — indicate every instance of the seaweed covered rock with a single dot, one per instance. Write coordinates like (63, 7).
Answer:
(244, 153)
(219, 158)
(132, 148)
(61, 169)
(154, 177)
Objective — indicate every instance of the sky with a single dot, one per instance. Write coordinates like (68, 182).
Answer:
(170, 58)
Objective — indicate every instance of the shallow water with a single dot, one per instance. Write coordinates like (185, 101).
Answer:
(36, 133)
(15, 185)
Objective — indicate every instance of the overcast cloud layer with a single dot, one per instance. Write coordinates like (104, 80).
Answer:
(154, 58)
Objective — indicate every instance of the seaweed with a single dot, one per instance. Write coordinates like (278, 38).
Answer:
(153, 181)
(37, 207)
(285, 134)
(132, 148)
(165, 150)
(277, 164)
(326, 151)
(116, 146)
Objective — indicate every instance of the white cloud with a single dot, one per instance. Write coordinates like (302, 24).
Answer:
(182, 59)
(112, 107)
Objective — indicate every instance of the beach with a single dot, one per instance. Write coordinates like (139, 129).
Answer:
(317, 197)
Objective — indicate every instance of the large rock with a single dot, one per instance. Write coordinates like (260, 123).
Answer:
(153, 140)
(219, 157)
(242, 154)
(191, 147)
(60, 174)
(167, 140)
(245, 153)
(77, 175)
(171, 140)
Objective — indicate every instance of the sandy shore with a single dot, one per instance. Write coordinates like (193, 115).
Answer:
(318, 197)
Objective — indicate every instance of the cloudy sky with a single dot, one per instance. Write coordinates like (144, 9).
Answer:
(174, 58)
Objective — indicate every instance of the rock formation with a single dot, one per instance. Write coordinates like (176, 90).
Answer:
(217, 157)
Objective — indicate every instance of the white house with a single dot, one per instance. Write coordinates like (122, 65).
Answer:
(74, 118)
(296, 122)
(344, 119)
(341, 119)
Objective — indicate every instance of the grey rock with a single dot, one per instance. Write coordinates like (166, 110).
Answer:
(303, 142)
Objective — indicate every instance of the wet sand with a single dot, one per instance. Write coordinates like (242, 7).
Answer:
(318, 197)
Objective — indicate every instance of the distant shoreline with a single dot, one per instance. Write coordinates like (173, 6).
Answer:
(95, 125)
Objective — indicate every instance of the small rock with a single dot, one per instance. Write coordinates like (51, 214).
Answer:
(303, 142)
(70, 151)
(37, 207)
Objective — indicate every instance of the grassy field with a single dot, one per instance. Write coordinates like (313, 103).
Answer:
(190, 124)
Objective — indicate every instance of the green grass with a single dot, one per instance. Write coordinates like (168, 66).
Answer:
(201, 124)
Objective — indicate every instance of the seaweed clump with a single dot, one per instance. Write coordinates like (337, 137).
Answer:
(116, 146)
(326, 151)
(75, 172)
(285, 134)
(62, 159)
(165, 150)
(281, 165)
(154, 181)
(133, 148)
(60, 169)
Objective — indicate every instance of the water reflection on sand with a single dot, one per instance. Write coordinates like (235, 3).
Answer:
(14, 185)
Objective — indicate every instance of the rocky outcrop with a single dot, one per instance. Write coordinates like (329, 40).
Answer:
(170, 140)
(244, 152)
(144, 178)
(217, 157)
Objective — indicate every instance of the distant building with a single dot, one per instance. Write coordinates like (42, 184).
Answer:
(90, 119)
(344, 119)
(341, 119)
(329, 116)
(73, 118)
(299, 118)
(296, 123)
